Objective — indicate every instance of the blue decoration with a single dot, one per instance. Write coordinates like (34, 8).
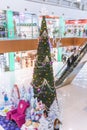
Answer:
(5, 98)
(1, 108)
(7, 124)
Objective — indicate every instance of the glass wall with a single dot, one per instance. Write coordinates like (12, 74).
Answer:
(22, 59)
(3, 24)
(77, 28)
(52, 25)
(25, 25)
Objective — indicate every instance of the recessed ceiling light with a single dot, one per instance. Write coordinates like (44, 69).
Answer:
(78, 0)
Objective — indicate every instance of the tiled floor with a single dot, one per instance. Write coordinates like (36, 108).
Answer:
(72, 98)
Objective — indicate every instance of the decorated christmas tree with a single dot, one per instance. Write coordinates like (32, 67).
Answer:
(43, 80)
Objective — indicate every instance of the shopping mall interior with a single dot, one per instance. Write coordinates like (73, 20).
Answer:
(43, 64)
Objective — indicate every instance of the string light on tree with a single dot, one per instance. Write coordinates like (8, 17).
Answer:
(44, 87)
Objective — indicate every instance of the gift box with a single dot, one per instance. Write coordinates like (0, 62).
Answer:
(35, 125)
(28, 123)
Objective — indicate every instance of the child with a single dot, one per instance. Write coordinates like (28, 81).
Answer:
(57, 124)
(43, 121)
(45, 114)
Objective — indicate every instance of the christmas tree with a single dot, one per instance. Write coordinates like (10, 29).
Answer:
(43, 80)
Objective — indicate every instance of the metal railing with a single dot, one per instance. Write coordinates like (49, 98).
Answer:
(63, 73)
(27, 35)
(61, 70)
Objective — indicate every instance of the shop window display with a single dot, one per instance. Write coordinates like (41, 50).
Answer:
(28, 59)
(25, 59)
(4, 64)
(52, 25)
(26, 25)
(3, 25)
(76, 28)
(1, 62)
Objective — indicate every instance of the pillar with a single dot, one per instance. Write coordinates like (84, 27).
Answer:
(10, 26)
(59, 54)
(62, 26)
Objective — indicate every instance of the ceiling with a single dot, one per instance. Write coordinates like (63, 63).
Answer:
(77, 4)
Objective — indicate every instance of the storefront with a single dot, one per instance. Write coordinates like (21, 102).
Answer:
(26, 25)
(22, 59)
(3, 24)
(25, 59)
(52, 25)
(77, 28)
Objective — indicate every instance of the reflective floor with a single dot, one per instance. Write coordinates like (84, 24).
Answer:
(74, 113)
(74, 102)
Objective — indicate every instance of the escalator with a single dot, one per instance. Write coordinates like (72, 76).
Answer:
(65, 71)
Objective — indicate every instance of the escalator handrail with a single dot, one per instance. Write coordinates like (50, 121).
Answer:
(61, 69)
(66, 61)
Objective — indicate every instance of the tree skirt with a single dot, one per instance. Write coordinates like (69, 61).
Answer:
(7, 124)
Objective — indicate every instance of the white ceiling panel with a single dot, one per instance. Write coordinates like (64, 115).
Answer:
(78, 4)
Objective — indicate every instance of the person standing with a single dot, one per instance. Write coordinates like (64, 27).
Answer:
(68, 63)
(43, 121)
(57, 124)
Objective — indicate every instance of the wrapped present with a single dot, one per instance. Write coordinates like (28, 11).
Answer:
(35, 125)
(28, 123)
